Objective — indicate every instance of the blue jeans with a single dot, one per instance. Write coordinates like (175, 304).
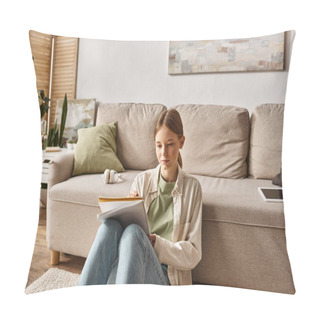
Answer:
(120, 256)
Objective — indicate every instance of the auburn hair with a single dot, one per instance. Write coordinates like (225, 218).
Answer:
(172, 120)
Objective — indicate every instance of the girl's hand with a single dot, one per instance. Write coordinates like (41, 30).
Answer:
(152, 238)
(133, 193)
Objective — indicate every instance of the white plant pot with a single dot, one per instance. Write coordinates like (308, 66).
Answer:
(70, 146)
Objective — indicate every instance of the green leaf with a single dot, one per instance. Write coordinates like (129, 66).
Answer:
(42, 95)
(63, 119)
(50, 137)
(42, 110)
(53, 136)
(56, 139)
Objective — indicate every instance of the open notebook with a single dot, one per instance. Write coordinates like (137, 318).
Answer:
(126, 210)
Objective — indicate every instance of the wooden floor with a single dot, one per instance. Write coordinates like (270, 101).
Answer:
(41, 255)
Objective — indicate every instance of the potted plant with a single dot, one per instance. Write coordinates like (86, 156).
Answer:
(70, 144)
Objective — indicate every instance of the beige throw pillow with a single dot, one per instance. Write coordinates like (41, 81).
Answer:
(96, 150)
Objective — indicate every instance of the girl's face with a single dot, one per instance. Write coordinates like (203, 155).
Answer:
(167, 148)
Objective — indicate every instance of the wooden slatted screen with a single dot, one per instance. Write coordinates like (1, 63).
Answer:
(64, 71)
(58, 55)
(41, 49)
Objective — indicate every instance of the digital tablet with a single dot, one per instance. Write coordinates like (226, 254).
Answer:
(271, 194)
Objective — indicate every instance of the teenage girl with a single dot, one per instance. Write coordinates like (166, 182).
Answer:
(173, 202)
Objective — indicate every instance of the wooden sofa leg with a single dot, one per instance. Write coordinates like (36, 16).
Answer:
(55, 257)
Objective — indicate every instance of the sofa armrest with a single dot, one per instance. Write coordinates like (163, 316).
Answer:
(60, 168)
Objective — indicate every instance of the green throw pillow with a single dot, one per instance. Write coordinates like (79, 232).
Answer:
(96, 150)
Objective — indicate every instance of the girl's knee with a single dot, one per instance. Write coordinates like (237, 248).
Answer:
(132, 234)
(112, 224)
(108, 227)
(134, 230)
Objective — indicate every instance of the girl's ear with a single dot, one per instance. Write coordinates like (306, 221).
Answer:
(182, 140)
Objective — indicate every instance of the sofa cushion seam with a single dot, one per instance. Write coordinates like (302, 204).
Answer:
(75, 202)
(245, 223)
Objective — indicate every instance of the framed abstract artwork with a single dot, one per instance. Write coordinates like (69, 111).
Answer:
(80, 115)
(239, 55)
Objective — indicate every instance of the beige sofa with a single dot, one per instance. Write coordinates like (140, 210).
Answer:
(229, 152)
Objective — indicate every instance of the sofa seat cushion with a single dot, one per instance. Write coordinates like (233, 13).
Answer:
(238, 201)
(224, 200)
(85, 189)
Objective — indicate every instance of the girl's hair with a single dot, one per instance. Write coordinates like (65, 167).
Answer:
(171, 119)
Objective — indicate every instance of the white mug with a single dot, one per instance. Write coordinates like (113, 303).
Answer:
(110, 176)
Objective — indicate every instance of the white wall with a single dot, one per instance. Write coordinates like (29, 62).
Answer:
(137, 71)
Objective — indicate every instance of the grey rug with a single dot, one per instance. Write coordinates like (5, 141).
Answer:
(54, 278)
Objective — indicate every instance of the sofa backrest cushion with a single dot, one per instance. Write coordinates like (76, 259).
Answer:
(266, 141)
(217, 140)
(136, 123)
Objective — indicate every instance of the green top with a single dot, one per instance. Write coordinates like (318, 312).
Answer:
(160, 213)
